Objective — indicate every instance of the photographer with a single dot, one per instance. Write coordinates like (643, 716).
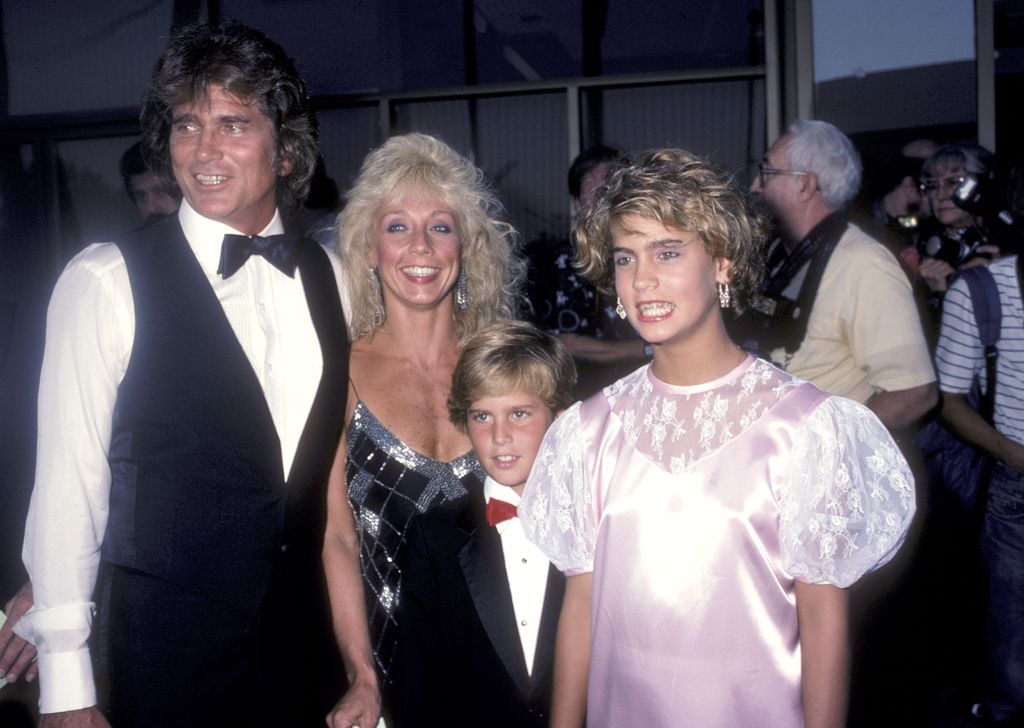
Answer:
(895, 209)
(860, 338)
(957, 235)
(977, 352)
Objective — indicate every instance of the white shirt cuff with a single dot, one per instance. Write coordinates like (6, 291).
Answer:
(66, 682)
(60, 635)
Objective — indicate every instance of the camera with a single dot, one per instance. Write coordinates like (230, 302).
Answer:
(951, 250)
(978, 196)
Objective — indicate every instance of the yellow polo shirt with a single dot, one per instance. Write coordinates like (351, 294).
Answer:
(864, 334)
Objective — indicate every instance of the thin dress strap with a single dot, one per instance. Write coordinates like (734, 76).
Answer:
(352, 383)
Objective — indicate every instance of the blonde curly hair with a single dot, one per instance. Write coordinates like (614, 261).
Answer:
(490, 258)
(679, 190)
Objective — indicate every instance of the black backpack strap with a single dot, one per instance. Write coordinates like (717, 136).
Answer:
(988, 315)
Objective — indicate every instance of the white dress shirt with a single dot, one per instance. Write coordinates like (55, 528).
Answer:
(89, 335)
(526, 568)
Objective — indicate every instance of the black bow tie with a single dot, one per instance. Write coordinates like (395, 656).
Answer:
(281, 251)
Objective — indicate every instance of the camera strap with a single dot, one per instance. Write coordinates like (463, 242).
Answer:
(786, 319)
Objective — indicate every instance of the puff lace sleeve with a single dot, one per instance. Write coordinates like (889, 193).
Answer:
(557, 507)
(848, 497)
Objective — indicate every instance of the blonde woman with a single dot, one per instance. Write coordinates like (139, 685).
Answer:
(427, 260)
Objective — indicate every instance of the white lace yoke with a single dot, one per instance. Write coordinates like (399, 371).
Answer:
(675, 426)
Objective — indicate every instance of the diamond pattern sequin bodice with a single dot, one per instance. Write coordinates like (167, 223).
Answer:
(388, 484)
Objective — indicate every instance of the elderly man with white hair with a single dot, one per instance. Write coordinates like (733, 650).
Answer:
(838, 309)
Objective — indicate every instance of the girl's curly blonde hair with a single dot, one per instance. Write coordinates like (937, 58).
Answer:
(681, 191)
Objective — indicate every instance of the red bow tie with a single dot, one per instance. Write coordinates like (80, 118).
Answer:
(499, 510)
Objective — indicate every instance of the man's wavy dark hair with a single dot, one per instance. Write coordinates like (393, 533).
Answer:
(247, 65)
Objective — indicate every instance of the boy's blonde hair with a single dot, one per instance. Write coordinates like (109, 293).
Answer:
(509, 356)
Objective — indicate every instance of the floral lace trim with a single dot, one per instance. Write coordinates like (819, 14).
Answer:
(690, 425)
(557, 507)
(847, 508)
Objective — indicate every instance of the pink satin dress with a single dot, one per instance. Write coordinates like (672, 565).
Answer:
(696, 508)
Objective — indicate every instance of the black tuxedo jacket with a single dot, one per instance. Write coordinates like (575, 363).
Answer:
(459, 661)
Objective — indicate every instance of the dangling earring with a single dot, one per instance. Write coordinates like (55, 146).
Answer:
(377, 317)
(460, 291)
(724, 295)
(619, 308)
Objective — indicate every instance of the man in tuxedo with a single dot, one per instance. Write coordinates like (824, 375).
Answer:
(191, 401)
(480, 603)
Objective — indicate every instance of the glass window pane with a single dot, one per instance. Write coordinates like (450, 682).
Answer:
(346, 136)
(525, 41)
(406, 44)
(354, 47)
(521, 144)
(25, 256)
(95, 206)
(65, 55)
(871, 74)
(721, 120)
(682, 35)
(100, 54)
(1009, 81)
(449, 120)
(27, 271)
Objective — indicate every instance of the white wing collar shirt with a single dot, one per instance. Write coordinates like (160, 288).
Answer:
(89, 334)
(526, 567)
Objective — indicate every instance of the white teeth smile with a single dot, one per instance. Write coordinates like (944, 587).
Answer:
(419, 271)
(505, 458)
(655, 309)
(210, 179)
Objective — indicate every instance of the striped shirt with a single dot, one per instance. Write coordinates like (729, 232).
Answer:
(959, 356)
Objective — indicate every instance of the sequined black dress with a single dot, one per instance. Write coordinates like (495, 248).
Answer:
(388, 484)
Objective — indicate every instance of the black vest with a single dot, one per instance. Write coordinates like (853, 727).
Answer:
(198, 496)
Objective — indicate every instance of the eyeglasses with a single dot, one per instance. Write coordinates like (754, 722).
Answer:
(947, 184)
(763, 171)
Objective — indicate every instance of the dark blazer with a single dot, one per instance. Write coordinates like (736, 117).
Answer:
(459, 661)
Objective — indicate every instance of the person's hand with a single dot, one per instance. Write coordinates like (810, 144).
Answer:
(1012, 455)
(358, 707)
(984, 254)
(84, 718)
(935, 273)
(910, 259)
(15, 653)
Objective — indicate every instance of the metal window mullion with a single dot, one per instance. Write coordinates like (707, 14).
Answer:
(985, 67)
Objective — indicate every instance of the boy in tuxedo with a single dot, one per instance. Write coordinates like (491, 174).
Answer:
(480, 603)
